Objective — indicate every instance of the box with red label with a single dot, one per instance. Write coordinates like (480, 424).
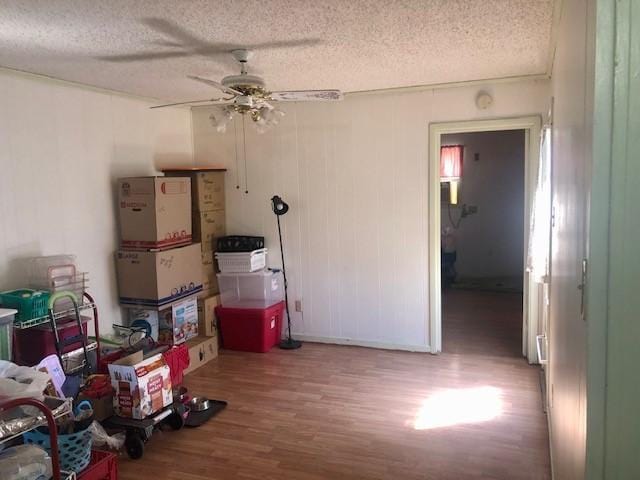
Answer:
(142, 387)
(154, 212)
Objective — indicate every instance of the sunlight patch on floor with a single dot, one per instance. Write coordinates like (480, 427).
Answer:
(457, 406)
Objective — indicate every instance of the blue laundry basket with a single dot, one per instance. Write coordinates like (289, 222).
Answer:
(74, 448)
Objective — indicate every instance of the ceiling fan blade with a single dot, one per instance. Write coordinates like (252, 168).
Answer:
(306, 96)
(213, 83)
(305, 42)
(193, 101)
(174, 31)
(168, 43)
(136, 57)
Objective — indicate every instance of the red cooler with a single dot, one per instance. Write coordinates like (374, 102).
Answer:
(250, 329)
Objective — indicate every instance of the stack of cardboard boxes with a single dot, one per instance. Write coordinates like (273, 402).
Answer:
(207, 205)
(160, 270)
(208, 221)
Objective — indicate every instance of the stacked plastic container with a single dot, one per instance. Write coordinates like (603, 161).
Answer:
(47, 276)
(251, 296)
(7, 316)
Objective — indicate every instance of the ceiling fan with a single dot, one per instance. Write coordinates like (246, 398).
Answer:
(246, 94)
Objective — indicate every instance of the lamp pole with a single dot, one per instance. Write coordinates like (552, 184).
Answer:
(280, 208)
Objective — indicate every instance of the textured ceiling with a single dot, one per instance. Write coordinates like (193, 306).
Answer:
(300, 44)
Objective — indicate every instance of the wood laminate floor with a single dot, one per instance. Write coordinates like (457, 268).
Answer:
(337, 412)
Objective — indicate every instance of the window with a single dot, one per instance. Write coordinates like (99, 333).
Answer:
(451, 162)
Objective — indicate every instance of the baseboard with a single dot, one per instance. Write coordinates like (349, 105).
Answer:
(362, 343)
(548, 414)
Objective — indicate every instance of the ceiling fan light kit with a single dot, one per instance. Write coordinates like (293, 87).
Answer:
(248, 96)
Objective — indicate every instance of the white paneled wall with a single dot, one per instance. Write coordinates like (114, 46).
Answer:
(61, 148)
(355, 176)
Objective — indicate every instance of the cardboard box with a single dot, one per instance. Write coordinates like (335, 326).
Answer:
(155, 212)
(207, 322)
(102, 406)
(179, 323)
(209, 277)
(207, 227)
(142, 387)
(152, 317)
(201, 351)
(170, 325)
(207, 293)
(157, 279)
(210, 284)
(208, 263)
(207, 189)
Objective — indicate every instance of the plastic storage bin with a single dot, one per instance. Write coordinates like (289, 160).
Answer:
(29, 303)
(33, 344)
(38, 267)
(250, 329)
(251, 290)
(57, 273)
(242, 262)
(7, 316)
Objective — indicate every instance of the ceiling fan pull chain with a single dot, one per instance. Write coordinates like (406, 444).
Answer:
(235, 147)
(244, 141)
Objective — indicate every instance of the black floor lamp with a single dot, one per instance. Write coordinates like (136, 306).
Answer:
(280, 208)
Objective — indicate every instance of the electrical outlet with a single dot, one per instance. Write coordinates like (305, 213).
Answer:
(468, 210)
(298, 305)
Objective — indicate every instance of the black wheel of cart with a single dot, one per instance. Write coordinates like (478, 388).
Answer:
(134, 445)
(175, 420)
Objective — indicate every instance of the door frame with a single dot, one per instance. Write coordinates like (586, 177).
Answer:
(532, 125)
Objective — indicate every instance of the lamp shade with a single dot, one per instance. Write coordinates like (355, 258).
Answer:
(279, 206)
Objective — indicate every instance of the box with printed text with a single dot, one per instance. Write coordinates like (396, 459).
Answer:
(154, 212)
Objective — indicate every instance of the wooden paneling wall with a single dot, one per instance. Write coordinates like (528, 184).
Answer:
(61, 148)
(355, 175)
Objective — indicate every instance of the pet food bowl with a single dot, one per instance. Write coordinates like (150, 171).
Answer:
(199, 404)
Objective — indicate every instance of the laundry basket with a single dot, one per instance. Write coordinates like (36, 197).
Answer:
(29, 303)
(74, 448)
(242, 262)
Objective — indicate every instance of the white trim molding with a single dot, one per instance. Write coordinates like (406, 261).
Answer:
(362, 343)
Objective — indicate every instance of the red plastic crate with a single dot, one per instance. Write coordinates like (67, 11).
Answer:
(103, 466)
(250, 329)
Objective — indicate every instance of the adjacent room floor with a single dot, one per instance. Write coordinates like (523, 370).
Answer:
(336, 412)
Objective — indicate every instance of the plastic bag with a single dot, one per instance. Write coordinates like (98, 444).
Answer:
(21, 382)
(25, 462)
(102, 438)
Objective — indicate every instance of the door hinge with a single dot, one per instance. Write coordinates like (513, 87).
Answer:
(583, 287)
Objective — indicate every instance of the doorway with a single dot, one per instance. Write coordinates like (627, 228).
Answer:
(446, 133)
(482, 238)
